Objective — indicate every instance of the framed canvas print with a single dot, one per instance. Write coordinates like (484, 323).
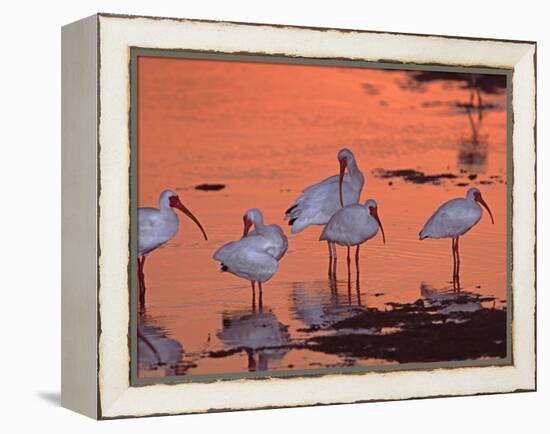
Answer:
(260, 216)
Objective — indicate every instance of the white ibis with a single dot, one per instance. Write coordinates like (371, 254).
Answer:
(352, 226)
(255, 256)
(318, 202)
(453, 219)
(156, 227)
(276, 240)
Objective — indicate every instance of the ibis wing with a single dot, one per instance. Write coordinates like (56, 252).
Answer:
(248, 258)
(149, 221)
(319, 202)
(451, 219)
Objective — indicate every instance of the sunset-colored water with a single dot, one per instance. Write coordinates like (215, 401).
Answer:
(266, 131)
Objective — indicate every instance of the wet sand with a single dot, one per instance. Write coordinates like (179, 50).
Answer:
(264, 132)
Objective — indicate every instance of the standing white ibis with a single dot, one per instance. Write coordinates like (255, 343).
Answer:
(318, 202)
(453, 219)
(255, 256)
(352, 226)
(156, 227)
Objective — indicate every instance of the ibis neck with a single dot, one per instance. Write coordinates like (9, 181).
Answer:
(353, 169)
(165, 207)
(260, 227)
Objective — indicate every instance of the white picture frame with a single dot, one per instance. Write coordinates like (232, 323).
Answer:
(96, 215)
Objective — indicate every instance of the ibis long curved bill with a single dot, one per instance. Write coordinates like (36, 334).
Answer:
(478, 198)
(343, 165)
(247, 225)
(176, 203)
(374, 213)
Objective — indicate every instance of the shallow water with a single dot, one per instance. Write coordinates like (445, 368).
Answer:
(267, 131)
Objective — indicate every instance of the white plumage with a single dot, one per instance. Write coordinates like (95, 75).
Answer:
(254, 257)
(455, 217)
(158, 226)
(318, 202)
(247, 258)
(276, 242)
(353, 225)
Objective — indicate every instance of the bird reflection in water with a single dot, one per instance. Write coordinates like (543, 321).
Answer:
(156, 352)
(257, 332)
(472, 152)
(472, 155)
(447, 301)
(316, 307)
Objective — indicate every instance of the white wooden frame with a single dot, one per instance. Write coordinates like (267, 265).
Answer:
(96, 217)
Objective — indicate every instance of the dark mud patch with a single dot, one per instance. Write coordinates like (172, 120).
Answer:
(225, 352)
(487, 83)
(210, 187)
(426, 332)
(461, 107)
(414, 176)
(370, 89)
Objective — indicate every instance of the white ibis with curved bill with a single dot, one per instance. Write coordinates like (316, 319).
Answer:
(453, 219)
(255, 257)
(352, 226)
(156, 227)
(318, 202)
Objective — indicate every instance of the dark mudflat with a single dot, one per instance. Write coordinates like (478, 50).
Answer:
(425, 333)
(210, 187)
(414, 176)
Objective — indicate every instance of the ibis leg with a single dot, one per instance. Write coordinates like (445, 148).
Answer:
(141, 278)
(349, 291)
(335, 260)
(260, 301)
(253, 285)
(454, 262)
(357, 261)
(329, 260)
(457, 265)
(357, 275)
(349, 263)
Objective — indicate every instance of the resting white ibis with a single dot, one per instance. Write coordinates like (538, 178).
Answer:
(352, 226)
(156, 227)
(275, 238)
(255, 256)
(453, 219)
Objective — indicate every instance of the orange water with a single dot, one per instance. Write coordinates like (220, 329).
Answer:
(267, 131)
